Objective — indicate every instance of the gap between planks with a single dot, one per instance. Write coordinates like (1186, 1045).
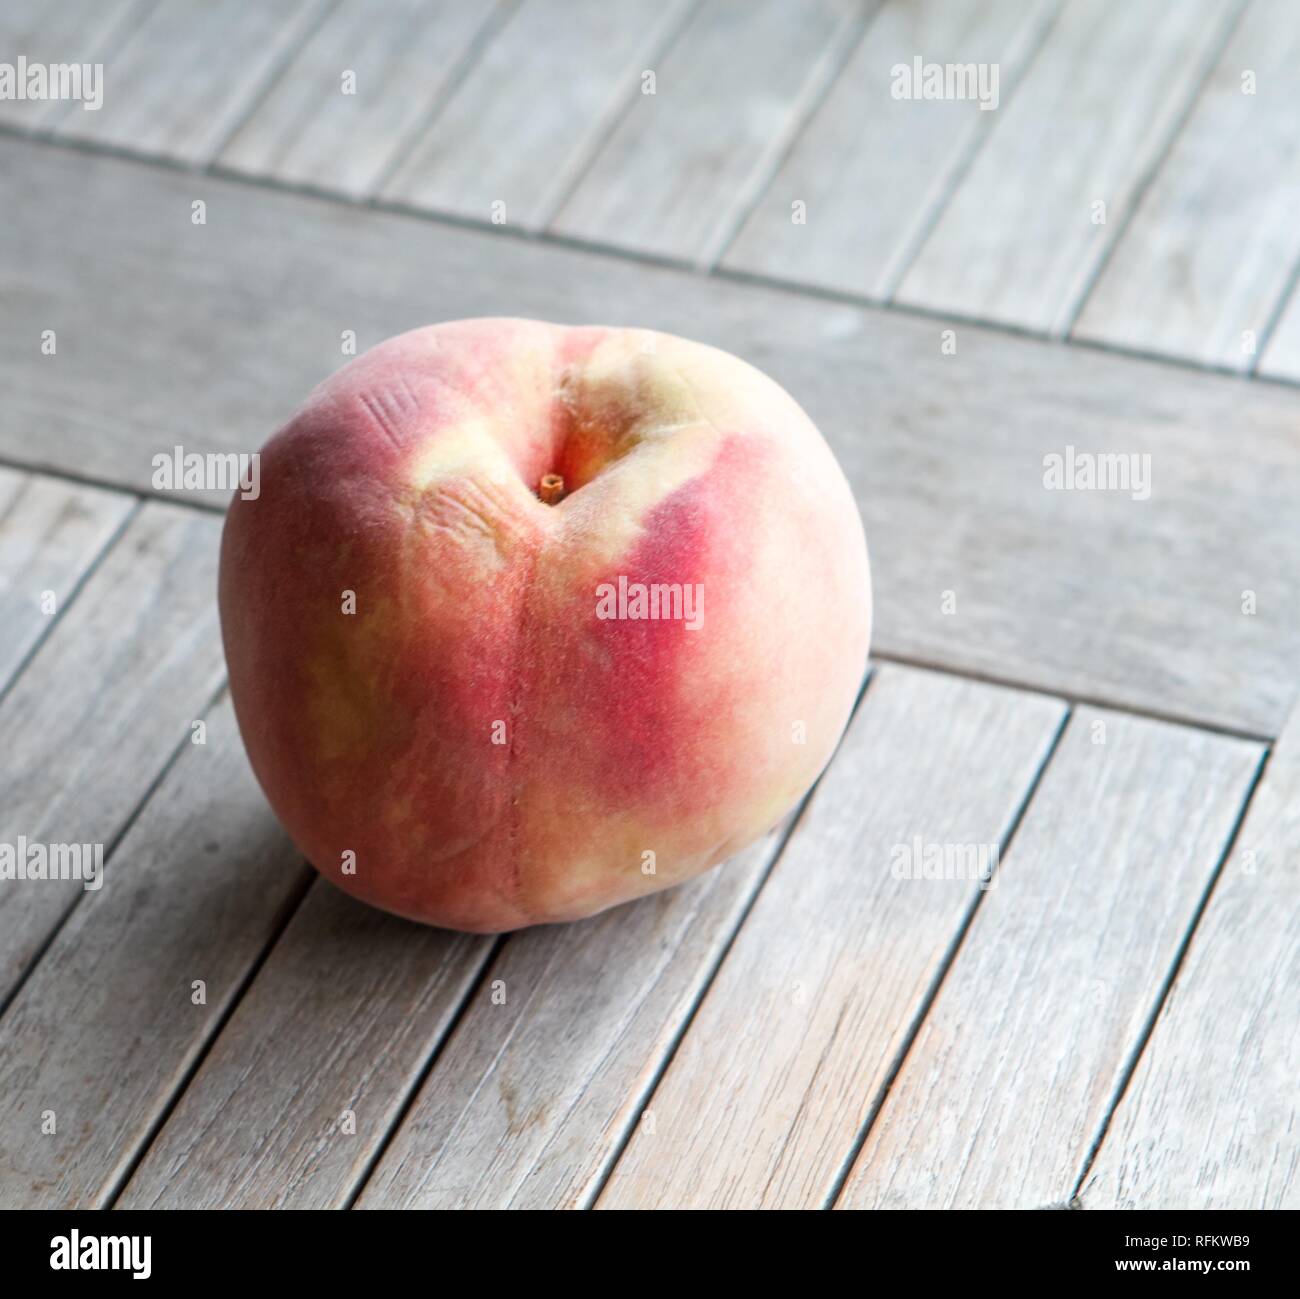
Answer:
(1180, 958)
(1157, 164)
(486, 966)
(739, 1111)
(377, 1155)
(110, 848)
(945, 964)
(137, 503)
(1062, 978)
(1173, 418)
(666, 1060)
(484, 972)
(907, 310)
(176, 1159)
(944, 669)
(290, 910)
(1073, 700)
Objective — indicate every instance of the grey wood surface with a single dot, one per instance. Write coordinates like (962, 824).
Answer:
(551, 98)
(1013, 1072)
(751, 1038)
(679, 170)
(1281, 358)
(1210, 1118)
(546, 1074)
(748, 1039)
(107, 1027)
(874, 171)
(71, 31)
(1017, 243)
(402, 54)
(534, 107)
(1137, 603)
(261, 1124)
(798, 1033)
(306, 1080)
(92, 720)
(183, 79)
(50, 535)
(1202, 270)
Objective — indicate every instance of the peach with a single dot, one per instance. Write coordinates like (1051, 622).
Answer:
(530, 620)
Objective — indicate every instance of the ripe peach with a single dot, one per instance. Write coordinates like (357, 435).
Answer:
(529, 620)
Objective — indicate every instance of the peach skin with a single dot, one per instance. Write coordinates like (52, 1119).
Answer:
(529, 620)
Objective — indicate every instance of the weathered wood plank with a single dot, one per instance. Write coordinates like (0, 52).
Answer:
(50, 533)
(185, 77)
(534, 108)
(90, 723)
(795, 1038)
(873, 171)
(532, 1097)
(677, 173)
(1020, 242)
(106, 1028)
(1008, 1082)
(73, 31)
(260, 1124)
(308, 1077)
(1210, 1118)
(227, 325)
(12, 484)
(402, 55)
(1202, 269)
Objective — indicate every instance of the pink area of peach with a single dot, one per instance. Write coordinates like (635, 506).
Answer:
(375, 733)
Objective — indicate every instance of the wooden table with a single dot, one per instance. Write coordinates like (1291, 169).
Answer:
(1098, 685)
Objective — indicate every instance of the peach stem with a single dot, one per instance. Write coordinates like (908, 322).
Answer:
(551, 489)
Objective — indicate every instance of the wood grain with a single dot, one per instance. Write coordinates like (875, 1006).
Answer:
(310, 1074)
(534, 108)
(1208, 257)
(72, 31)
(1010, 1078)
(91, 722)
(50, 534)
(1136, 603)
(796, 1037)
(679, 170)
(106, 1028)
(1210, 1117)
(403, 54)
(874, 171)
(184, 78)
(532, 1097)
(1018, 243)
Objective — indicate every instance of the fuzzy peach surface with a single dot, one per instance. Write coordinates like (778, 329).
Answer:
(467, 741)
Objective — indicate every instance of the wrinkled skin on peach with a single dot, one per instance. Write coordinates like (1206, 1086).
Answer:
(493, 752)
